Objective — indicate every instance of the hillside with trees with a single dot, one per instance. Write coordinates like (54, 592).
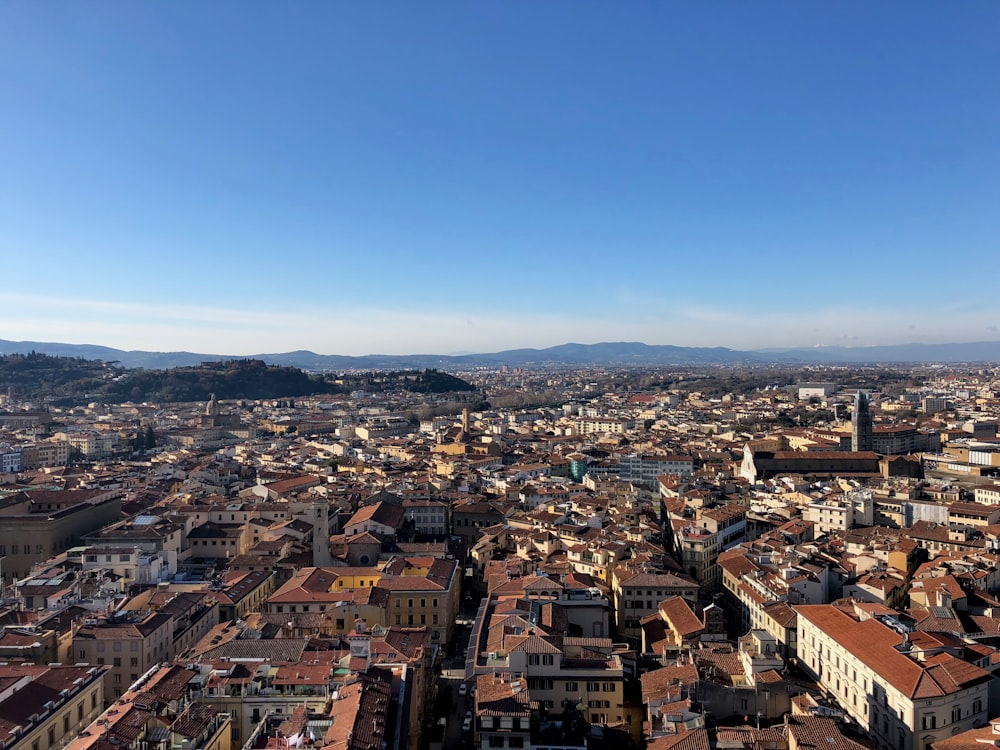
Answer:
(68, 381)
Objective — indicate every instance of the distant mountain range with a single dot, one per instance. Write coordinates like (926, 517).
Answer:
(618, 353)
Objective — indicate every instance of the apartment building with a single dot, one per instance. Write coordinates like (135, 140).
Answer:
(429, 517)
(403, 591)
(159, 712)
(603, 425)
(129, 643)
(973, 514)
(44, 707)
(637, 594)
(988, 494)
(503, 713)
(11, 459)
(701, 536)
(645, 468)
(44, 455)
(248, 689)
(840, 512)
(423, 591)
(906, 690)
(243, 593)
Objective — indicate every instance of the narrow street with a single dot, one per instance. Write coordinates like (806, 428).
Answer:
(452, 676)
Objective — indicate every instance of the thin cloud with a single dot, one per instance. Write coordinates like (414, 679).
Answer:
(342, 329)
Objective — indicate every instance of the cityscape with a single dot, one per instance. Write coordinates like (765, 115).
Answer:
(701, 556)
(440, 375)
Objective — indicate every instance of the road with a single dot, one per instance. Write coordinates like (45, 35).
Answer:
(452, 675)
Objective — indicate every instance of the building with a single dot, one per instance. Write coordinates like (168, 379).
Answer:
(861, 424)
(645, 468)
(129, 643)
(44, 707)
(38, 524)
(46, 454)
(11, 459)
(159, 712)
(637, 594)
(699, 540)
(429, 517)
(840, 512)
(503, 712)
(907, 690)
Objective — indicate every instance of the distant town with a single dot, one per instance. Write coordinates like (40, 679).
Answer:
(760, 556)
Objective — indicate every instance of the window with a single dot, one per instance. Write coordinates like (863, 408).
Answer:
(930, 721)
(571, 687)
(956, 714)
(977, 706)
(118, 661)
(496, 740)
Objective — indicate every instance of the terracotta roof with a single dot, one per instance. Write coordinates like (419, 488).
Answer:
(875, 644)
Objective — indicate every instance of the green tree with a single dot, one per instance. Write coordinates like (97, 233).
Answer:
(149, 441)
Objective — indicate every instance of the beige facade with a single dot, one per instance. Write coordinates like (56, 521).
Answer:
(45, 455)
(130, 646)
(904, 694)
(30, 534)
(67, 698)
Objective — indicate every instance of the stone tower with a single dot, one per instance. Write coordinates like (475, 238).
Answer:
(861, 424)
(320, 512)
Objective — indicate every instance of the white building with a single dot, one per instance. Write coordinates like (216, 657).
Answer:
(906, 690)
(841, 512)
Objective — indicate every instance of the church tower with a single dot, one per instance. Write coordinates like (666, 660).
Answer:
(320, 512)
(861, 424)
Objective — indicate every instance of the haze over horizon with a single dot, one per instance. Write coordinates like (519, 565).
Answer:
(438, 177)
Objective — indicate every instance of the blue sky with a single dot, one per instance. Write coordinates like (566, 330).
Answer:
(242, 177)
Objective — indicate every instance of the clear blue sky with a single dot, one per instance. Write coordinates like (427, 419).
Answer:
(354, 177)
